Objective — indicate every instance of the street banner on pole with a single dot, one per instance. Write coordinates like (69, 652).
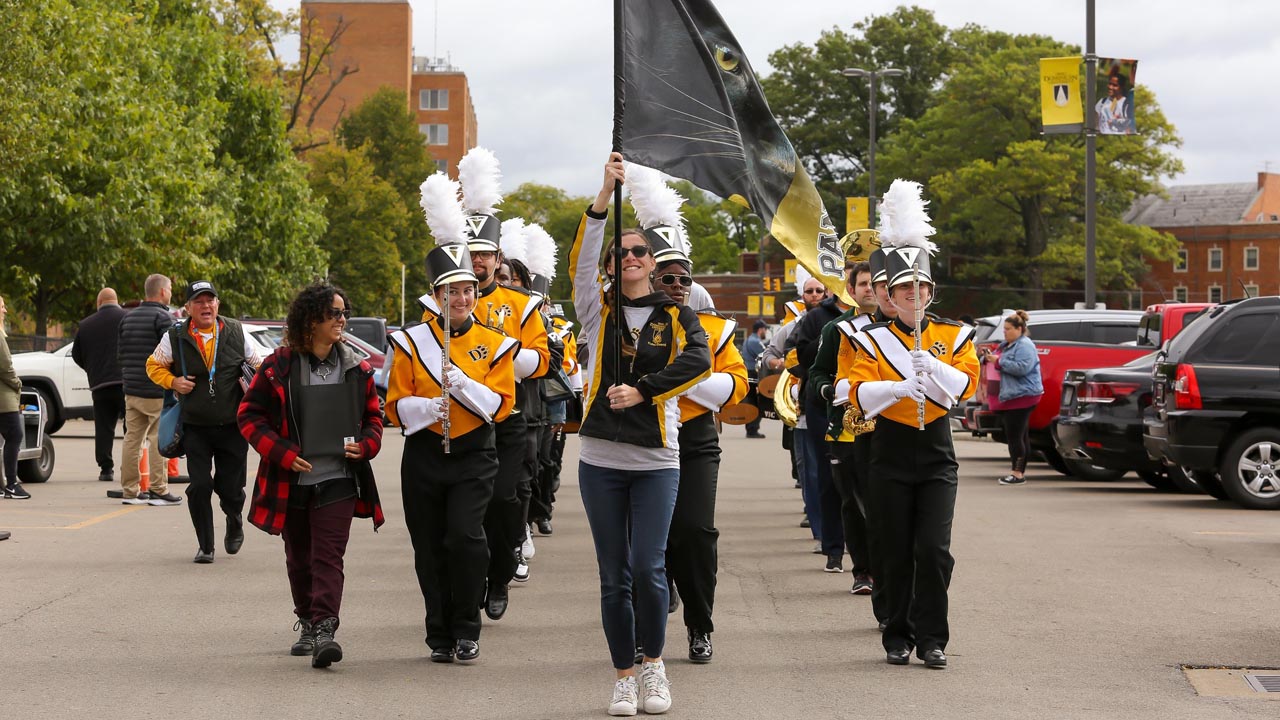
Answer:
(1115, 81)
(693, 108)
(856, 214)
(1061, 109)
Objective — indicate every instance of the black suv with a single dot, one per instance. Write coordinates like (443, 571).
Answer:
(1216, 401)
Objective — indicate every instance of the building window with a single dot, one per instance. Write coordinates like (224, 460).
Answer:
(1180, 294)
(1215, 293)
(1251, 290)
(1215, 259)
(435, 134)
(1180, 265)
(433, 99)
(1251, 258)
(442, 166)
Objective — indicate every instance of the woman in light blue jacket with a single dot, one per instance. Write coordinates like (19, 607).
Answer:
(1020, 391)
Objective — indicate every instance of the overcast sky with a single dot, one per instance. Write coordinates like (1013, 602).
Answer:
(540, 71)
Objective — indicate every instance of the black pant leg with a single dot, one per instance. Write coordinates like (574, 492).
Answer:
(692, 554)
(199, 446)
(540, 502)
(865, 488)
(229, 470)
(852, 518)
(504, 519)
(935, 512)
(828, 496)
(425, 515)
(468, 552)
(108, 410)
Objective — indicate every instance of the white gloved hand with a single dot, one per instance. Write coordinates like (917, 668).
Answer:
(841, 392)
(923, 362)
(795, 392)
(416, 412)
(458, 380)
(434, 410)
(912, 387)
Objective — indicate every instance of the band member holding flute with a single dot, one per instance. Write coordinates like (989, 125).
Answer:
(912, 457)
(446, 494)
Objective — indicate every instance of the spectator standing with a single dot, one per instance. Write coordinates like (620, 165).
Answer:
(95, 351)
(1020, 391)
(212, 349)
(752, 349)
(10, 416)
(140, 331)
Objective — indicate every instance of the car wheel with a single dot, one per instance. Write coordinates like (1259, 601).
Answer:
(38, 470)
(1092, 473)
(1250, 471)
(1055, 461)
(1157, 480)
(53, 421)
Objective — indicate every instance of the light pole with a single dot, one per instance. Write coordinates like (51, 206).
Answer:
(874, 109)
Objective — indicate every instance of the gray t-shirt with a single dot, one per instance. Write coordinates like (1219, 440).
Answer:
(326, 372)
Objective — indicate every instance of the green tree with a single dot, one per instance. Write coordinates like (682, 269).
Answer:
(1009, 201)
(364, 213)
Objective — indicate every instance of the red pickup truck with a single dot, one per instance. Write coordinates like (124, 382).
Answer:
(1066, 340)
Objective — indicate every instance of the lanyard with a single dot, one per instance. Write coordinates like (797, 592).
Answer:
(213, 366)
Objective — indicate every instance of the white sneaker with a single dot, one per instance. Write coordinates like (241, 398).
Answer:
(655, 688)
(526, 547)
(522, 568)
(624, 697)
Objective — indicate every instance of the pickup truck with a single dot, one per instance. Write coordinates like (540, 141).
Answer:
(1160, 323)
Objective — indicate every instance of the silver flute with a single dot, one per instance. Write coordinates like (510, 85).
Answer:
(444, 379)
(915, 287)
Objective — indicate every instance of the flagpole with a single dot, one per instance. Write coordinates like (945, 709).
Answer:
(619, 104)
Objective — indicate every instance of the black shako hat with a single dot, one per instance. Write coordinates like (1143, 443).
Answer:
(877, 261)
(483, 233)
(448, 264)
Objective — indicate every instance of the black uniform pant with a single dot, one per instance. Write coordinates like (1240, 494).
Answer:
(216, 463)
(828, 499)
(691, 543)
(445, 497)
(844, 473)
(865, 486)
(108, 410)
(915, 474)
(504, 519)
(547, 471)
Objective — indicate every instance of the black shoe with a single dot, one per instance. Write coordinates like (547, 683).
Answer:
(804, 523)
(882, 625)
(442, 655)
(14, 491)
(862, 584)
(935, 659)
(797, 484)
(699, 647)
(107, 476)
(203, 558)
(756, 436)
(835, 564)
(639, 653)
(673, 600)
(235, 536)
(522, 568)
(327, 650)
(115, 494)
(496, 606)
(544, 527)
(1008, 480)
(306, 643)
(165, 499)
(468, 650)
(4, 534)
(898, 657)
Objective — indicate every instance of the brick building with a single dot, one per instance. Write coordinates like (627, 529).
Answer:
(1230, 236)
(375, 46)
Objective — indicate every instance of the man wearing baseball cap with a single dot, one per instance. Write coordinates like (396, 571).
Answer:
(200, 359)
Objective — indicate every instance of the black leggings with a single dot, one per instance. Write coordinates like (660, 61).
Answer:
(11, 431)
(1017, 434)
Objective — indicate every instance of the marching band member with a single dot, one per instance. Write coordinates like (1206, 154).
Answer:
(629, 464)
(909, 391)
(446, 494)
(514, 312)
(691, 544)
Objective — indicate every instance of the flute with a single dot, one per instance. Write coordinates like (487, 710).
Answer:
(444, 381)
(919, 312)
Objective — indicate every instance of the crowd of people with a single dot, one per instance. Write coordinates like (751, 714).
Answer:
(485, 385)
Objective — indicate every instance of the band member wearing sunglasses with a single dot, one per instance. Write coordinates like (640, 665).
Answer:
(307, 489)
(629, 464)
(691, 544)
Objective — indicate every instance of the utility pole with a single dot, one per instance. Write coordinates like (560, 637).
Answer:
(873, 110)
(1090, 161)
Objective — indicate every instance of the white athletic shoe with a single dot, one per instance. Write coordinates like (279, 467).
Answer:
(526, 547)
(624, 697)
(654, 688)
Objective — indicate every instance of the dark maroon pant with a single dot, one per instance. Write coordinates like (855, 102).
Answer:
(315, 541)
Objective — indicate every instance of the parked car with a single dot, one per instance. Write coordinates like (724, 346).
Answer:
(270, 333)
(1065, 340)
(372, 330)
(1216, 401)
(1160, 323)
(62, 385)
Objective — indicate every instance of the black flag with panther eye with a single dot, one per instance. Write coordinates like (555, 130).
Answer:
(687, 103)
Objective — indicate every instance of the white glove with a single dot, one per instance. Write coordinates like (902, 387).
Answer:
(458, 380)
(912, 387)
(795, 392)
(416, 412)
(434, 410)
(923, 362)
(841, 393)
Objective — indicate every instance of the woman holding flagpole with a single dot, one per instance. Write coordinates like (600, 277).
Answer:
(629, 463)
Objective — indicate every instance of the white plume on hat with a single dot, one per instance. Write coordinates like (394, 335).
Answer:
(541, 255)
(481, 182)
(439, 200)
(515, 239)
(904, 222)
(656, 202)
(802, 277)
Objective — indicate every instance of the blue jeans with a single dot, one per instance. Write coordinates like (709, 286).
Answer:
(810, 488)
(630, 516)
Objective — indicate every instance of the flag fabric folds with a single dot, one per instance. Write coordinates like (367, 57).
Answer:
(692, 107)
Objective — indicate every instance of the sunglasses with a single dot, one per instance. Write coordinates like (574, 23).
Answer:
(334, 313)
(672, 279)
(813, 290)
(638, 251)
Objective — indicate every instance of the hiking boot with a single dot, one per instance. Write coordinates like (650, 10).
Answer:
(327, 650)
(306, 643)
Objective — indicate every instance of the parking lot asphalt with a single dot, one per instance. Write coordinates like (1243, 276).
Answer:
(1069, 600)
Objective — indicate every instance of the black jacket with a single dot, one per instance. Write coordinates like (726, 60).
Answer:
(805, 338)
(95, 346)
(200, 407)
(140, 332)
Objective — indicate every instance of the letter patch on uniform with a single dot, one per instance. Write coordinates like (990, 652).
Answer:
(478, 353)
(938, 349)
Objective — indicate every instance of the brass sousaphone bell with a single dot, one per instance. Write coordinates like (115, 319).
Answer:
(786, 406)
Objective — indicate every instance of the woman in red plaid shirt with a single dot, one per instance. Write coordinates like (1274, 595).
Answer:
(311, 500)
